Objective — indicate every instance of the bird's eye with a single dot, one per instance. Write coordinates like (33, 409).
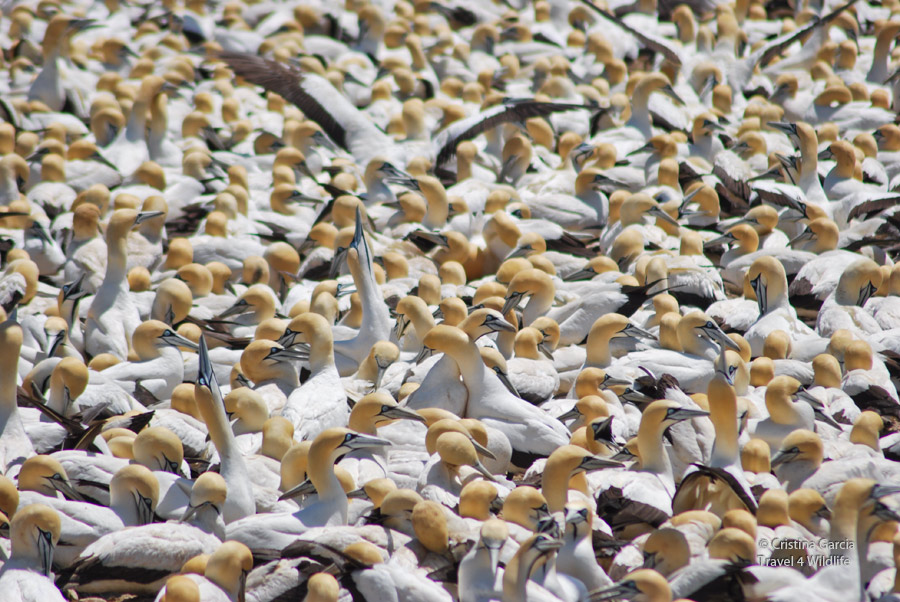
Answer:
(710, 324)
(348, 437)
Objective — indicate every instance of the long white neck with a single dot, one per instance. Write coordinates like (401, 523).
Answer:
(116, 260)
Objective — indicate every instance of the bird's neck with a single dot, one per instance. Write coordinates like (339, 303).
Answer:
(653, 457)
(116, 259)
(323, 477)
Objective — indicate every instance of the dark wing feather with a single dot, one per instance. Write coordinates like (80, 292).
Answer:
(653, 44)
(776, 46)
(867, 208)
(287, 82)
(513, 112)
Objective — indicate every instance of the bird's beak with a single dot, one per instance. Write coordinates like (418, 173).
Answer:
(45, 551)
(658, 212)
(56, 342)
(422, 355)
(240, 307)
(636, 332)
(512, 300)
(669, 91)
(571, 414)
(687, 414)
(143, 216)
(403, 413)
(304, 488)
(176, 340)
(361, 441)
(288, 354)
(785, 455)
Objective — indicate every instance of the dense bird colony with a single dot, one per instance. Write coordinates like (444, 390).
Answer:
(420, 301)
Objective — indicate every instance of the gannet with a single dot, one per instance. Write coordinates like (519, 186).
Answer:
(279, 529)
(34, 531)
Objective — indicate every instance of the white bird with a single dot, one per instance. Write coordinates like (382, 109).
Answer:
(15, 446)
(140, 558)
(277, 530)
(112, 316)
(320, 403)
(529, 429)
(25, 577)
(239, 501)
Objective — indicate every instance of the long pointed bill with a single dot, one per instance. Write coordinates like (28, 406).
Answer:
(482, 450)
(283, 355)
(661, 214)
(519, 252)
(725, 239)
(613, 381)
(426, 352)
(400, 327)
(358, 235)
(55, 342)
(403, 413)
(570, 415)
(73, 290)
(206, 376)
(512, 300)
(806, 396)
(499, 324)
(759, 288)
(287, 339)
(342, 290)
(598, 463)
(880, 491)
(623, 455)
(807, 234)
(45, 551)
(715, 334)
(624, 590)
(687, 414)
(239, 308)
(504, 378)
(484, 471)
(636, 332)
(669, 91)
(785, 455)
(143, 216)
(304, 488)
(144, 509)
(379, 375)
(361, 441)
(544, 348)
(866, 293)
(65, 487)
(636, 397)
(176, 340)
(190, 512)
